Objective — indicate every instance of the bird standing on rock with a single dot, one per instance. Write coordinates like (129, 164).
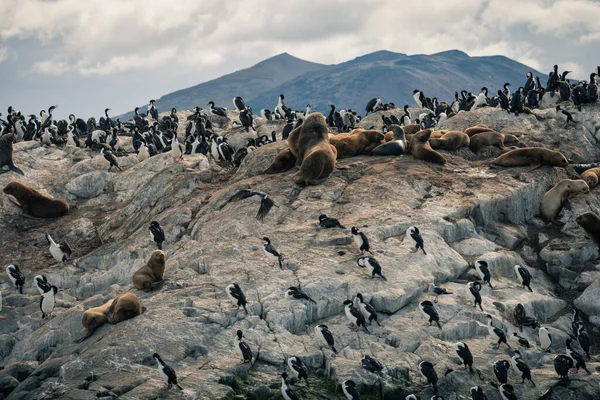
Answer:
(523, 276)
(16, 277)
(465, 355)
(157, 233)
(47, 301)
(110, 157)
(483, 271)
(325, 336)
(297, 294)
(545, 339)
(428, 372)
(326, 222)
(272, 254)
(474, 290)
(414, 233)
(60, 251)
(520, 340)
(366, 310)
(372, 265)
(562, 365)
(236, 295)
(166, 372)
(497, 334)
(298, 369)
(350, 391)
(266, 203)
(361, 241)
(242, 348)
(354, 315)
(286, 390)
(430, 312)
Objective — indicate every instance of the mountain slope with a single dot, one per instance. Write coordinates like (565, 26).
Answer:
(393, 77)
(246, 83)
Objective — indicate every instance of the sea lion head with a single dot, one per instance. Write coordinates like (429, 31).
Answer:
(590, 178)
(12, 187)
(587, 220)
(157, 257)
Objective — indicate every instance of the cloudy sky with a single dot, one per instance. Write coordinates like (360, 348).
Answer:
(85, 55)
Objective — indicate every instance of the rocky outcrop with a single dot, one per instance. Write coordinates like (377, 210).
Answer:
(464, 210)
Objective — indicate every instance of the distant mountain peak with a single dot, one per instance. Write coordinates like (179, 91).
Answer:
(452, 53)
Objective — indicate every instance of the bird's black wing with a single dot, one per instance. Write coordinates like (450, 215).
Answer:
(328, 336)
(265, 206)
(244, 194)
(65, 248)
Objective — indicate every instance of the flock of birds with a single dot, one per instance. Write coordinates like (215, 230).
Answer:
(152, 134)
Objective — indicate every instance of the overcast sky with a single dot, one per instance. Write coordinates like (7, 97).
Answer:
(85, 55)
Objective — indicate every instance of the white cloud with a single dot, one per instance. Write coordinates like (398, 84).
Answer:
(3, 54)
(51, 67)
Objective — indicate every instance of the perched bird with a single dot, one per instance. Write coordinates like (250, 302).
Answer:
(110, 157)
(271, 253)
(298, 369)
(354, 315)
(16, 277)
(569, 117)
(521, 368)
(157, 234)
(47, 301)
(60, 251)
(361, 241)
(372, 265)
(436, 291)
(522, 319)
(428, 372)
(265, 203)
(166, 372)
(371, 364)
(325, 336)
(578, 360)
(286, 390)
(464, 353)
(501, 370)
(477, 393)
(497, 334)
(520, 339)
(350, 391)
(366, 310)
(42, 284)
(176, 150)
(483, 271)
(236, 295)
(474, 290)
(414, 233)
(242, 348)
(295, 293)
(326, 222)
(562, 365)
(545, 339)
(507, 392)
(523, 276)
(584, 340)
(430, 313)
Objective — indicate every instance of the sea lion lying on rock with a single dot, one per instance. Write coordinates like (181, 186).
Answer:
(531, 156)
(34, 203)
(150, 275)
(451, 140)
(121, 308)
(555, 199)
(591, 176)
(478, 129)
(359, 141)
(419, 147)
(6, 153)
(394, 147)
(490, 138)
(315, 157)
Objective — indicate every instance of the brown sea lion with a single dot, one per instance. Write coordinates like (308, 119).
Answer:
(35, 203)
(511, 140)
(284, 161)
(309, 143)
(591, 223)
(411, 129)
(555, 199)
(591, 176)
(419, 147)
(359, 141)
(531, 156)
(438, 134)
(452, 140)
(477, 129)
(489, 138)
(119, 309)
(151, 274)
(6, 153)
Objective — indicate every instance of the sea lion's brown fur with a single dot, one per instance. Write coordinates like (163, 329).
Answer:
(511, 140)
(489, 138)
(309, 143)
(411, 129)
(151, 273)
(555, 198)
(35, 203)
(284, 161)
(359, 141)
(478, 129)
(591, 223)
(591, 176)
(531, 156)
(420, 148)
(121, 308)
(438, 134)
(452, 140)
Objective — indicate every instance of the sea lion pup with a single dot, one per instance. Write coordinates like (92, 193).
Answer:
(489, 138)
(478, 129)
(394, 147)
(121, 308)
(6, 153)
(284, 161)
(591, 176)
(35, 203)
(150, 275)
(591, 223)
(359, 141)
(309, 143)
(419, 147)
(555, 199)
(452, 140)
(531, 156)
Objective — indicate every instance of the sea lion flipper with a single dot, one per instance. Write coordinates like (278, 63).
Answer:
(534, 167)
(14, 168)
